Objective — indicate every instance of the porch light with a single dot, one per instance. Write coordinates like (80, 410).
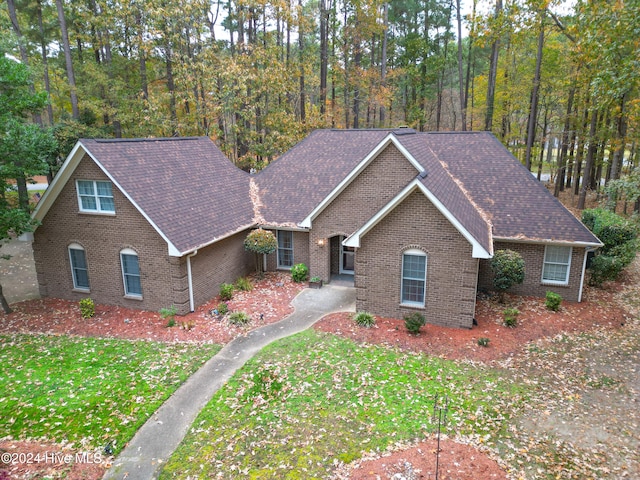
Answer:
(321, 242)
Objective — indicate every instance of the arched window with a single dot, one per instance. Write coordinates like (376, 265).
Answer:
(131, 273)
(414, 277)
(79, 269)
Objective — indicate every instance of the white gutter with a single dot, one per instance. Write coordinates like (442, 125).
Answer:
(190, 281)
(584, 269)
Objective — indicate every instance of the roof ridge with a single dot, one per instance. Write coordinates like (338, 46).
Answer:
(148, 139)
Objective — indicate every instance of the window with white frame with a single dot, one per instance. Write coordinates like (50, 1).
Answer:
(414, 278)
(79, 269)
(95, 196)
(131, 273)
(285, 249)
(557, 264)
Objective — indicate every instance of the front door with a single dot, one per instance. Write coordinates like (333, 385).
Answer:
(347, 256)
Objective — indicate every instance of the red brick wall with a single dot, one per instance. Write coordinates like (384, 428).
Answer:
(382, 180)
(103, 237)
(533, 255)
(451, 271)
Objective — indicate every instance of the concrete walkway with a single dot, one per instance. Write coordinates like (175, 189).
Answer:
(156, 440)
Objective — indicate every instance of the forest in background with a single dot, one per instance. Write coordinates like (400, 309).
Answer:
(258, 75)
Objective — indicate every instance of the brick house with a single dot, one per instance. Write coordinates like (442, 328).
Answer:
(411, 218)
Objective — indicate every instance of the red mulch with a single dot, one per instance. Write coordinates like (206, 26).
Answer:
(534, 322)
(269, 302)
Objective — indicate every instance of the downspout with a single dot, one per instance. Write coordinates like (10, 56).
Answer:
(584, 269)
(190, 281)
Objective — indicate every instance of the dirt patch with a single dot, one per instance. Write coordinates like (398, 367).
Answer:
(456, 461)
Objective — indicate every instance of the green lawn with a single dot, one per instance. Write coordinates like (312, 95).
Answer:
(314, 398)
(87, 391)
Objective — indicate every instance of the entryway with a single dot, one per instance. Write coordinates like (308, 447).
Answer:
(342, 262)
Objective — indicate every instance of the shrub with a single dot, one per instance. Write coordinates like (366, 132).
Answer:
(553, 301)
(239, 318)
(169, 314)
(222, 308)
(414, 322)
(226, 291)
(620, 244)
(508, 270)
(364, 319)
(87, 308)
(299, 272)
(604, 268)
(261, 242)
(483, 341)
(511, 317)
(244, 284)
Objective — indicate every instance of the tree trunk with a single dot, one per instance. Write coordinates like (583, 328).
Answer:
(562, 160)
(533, 109)
(4, 303)
(621, 133)
(303, 101)
(45, 62)
(586, 180)
(75, 112)
(493, 72)
(324, 55)
(463, 113)
(383, 60)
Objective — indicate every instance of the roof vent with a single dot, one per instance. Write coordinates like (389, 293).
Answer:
(404, 130)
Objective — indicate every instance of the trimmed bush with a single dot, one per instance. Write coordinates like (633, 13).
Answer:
(226, 291)
(414, 322)
(508, 270)
(239, 318)
(553, 301)
(511, 317)
(260, 242)
(364, 319)
(87, 308)
(244, 284)
(299, 272)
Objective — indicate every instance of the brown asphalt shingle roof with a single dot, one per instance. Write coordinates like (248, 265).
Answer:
(186, 186)
(519, 206)
(195, 195)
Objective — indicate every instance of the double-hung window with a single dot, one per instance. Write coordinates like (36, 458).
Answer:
(79, 269)
(557, 264)
(285, 249)
(95, 196)
(414, 278)
(131, 273)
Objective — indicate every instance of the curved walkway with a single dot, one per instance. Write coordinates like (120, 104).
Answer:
(156, 440)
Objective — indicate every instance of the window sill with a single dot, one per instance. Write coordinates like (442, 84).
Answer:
(91, 212)
(134, 297)
(414, 306)
(554, 284)
(280, 267)
(81, 290)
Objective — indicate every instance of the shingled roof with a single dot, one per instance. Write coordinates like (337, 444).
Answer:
(186, 187)
(193, 195)
(471, 173)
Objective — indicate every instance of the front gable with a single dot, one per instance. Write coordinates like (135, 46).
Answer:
(382, 171)
(61, 182)
(478, 249)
